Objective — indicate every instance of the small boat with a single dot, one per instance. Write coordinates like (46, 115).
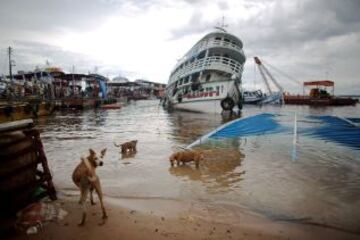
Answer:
(271, 96)
(79, 103)
(111, 106)
(253, 97)
(25, 109)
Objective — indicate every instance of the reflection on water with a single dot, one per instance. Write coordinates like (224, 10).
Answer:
(128, 155)
(219, 171)
(321, 186)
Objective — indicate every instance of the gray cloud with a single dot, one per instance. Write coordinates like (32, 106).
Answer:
(44, 15)
(196, 24)
(304, 22)
(223, 5)
(30, 54)
(309, 40)
(306, 39)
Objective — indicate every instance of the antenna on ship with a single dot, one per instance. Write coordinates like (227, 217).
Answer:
(221, 25)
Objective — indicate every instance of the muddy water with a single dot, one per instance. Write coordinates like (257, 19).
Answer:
(321, 187)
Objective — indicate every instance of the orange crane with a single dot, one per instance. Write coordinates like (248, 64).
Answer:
(265, 74)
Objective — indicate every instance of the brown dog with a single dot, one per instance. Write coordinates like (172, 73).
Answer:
(186, 156)
(127, 146)
(85, 178)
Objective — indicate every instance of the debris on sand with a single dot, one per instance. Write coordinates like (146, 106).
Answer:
(36, 214)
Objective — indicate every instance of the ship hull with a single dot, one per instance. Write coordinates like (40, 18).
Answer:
(305, 100)
(202, 106)
(208, 101)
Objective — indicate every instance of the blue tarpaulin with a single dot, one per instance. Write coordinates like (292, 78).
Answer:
(344, 131)
(103, 89)
(340, 130)
(255, 125)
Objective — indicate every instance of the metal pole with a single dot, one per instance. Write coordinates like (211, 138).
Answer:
(265, 79)
(10, 63)
(73, 80)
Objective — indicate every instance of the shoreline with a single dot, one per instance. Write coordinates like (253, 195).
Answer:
(139, 218)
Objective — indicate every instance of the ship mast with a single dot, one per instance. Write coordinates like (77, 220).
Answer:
(221, 25)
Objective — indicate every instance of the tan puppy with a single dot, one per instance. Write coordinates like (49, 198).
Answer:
(85, 178)
(186, 156)
(127, 146)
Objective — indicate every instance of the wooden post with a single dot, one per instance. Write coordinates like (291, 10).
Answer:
(45, 176)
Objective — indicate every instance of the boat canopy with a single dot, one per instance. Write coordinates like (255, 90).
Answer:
(326, 83)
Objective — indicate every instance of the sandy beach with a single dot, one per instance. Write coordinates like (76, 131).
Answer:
(173, 219)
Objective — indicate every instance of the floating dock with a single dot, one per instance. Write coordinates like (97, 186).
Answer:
(319, 96)
(331, 101)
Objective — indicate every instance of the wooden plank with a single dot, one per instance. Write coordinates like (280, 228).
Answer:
(16, 125)
(15, 155)
(20, 188)
(15, 142)
(18, 170)
(42, 157)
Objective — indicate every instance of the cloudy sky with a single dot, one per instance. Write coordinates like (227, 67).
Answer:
(299, 39)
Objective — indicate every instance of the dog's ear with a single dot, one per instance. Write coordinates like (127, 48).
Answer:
(103, 152)
(92, 152)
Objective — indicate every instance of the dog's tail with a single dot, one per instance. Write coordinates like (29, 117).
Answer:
(117, 145)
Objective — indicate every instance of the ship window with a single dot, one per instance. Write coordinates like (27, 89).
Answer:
(217, 89)
(226, 40)
(218, 38)
(202, 55)
(186, 81)
(222, 88)
(208, 77)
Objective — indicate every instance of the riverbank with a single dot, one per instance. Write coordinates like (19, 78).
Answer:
(172, 219)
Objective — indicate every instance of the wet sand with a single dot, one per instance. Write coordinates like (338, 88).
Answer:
(173, 219)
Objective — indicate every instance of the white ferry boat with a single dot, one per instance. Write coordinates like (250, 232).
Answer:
(208, 77)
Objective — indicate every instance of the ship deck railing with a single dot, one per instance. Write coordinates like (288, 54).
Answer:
(203, 45)
(212, 63)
